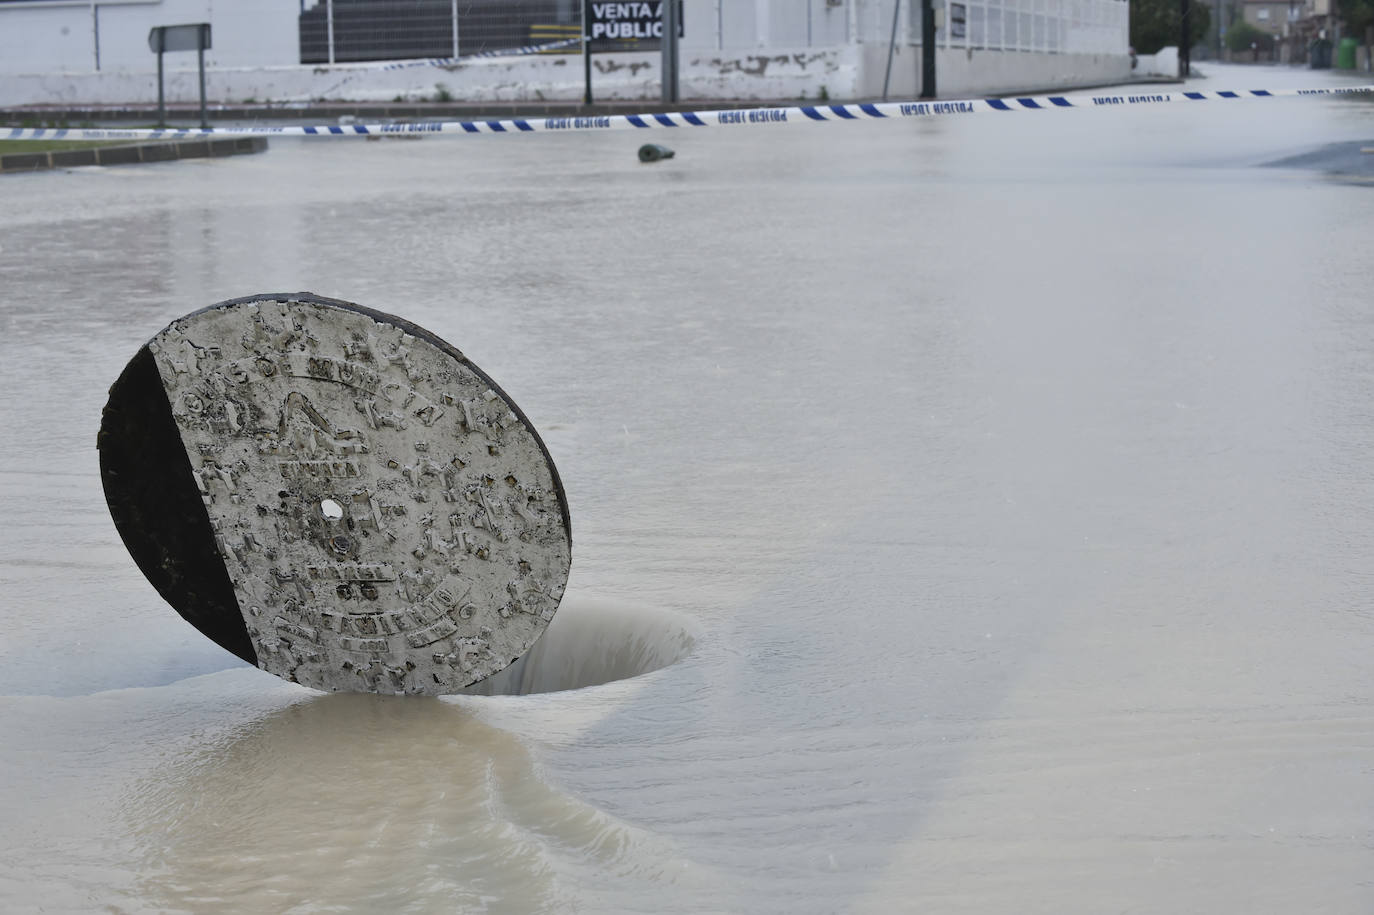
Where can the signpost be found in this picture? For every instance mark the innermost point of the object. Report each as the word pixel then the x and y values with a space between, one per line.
pixel 191 37
pixel 606 25
pixel 642 21
pixel 609 25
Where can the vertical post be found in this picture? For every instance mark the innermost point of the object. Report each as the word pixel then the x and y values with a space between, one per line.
pixel 587 52
pixel 1185 40
pixel 95 32
pixel 669 46
pixel 161 100
pixel 329 24
pixel 455 29
pixel 1216 29
pixel 200 59
pixel 891 46
pixel 927 49
pixel 720 25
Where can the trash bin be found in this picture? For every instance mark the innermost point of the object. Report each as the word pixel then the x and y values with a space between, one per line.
pixel 1345 54
pixel 1319 54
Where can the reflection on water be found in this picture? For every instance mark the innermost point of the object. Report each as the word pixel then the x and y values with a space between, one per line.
pixel 387 803
pixel 368 803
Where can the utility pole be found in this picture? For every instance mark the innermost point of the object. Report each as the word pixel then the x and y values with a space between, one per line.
pixel 1218 27
pixel 453 12
pixel 200 60
pixel 669 46
pixel 1185 39
pixel 95 31
pixel 928 48
pixel 586 52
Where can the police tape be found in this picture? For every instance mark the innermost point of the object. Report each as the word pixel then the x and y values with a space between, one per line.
pixel 809 114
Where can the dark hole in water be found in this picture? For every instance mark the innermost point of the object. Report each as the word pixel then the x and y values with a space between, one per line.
pixel 590 643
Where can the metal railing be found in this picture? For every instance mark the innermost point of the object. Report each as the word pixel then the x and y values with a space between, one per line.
pixel 1047 26
pixel 343 31
pixel 340 31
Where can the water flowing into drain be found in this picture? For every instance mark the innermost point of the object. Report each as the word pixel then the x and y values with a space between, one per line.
pixel 594 642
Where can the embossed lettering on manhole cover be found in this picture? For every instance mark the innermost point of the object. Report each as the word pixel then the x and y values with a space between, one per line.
pixel 335 495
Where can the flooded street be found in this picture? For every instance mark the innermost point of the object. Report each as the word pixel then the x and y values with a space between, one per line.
pixel 1001 486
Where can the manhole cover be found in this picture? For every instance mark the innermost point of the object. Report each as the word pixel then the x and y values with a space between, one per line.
pixel 335 495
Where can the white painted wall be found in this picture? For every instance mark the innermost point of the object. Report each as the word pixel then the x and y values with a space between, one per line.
pixel 1164 62
pixel 736 25
pixel 845 73
pixel 708 75
pixel 48 37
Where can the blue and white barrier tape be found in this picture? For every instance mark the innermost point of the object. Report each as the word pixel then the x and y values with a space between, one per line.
pixel 743 117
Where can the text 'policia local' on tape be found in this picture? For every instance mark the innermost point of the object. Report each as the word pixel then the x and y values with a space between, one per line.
pixel 733 117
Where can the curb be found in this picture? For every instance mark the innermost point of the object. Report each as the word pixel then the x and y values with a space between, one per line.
pixel 125 154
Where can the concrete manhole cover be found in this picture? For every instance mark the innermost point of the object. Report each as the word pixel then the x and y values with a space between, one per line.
pixel 335 495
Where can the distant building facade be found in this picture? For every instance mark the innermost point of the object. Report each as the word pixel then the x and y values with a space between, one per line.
pixel 1276 18
pixel 733 49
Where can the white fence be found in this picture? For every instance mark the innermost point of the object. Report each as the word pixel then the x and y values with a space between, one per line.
pixel 1044 26
pixel 1052 26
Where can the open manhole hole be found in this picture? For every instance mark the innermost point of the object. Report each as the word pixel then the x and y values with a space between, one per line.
pixel 593 642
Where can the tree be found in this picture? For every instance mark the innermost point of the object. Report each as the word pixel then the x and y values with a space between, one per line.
pixel 1240 36
pixel 1155 23
pixel 1358 15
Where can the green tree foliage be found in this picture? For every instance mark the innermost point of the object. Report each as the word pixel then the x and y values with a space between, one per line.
pixel 1242 34
pixel 1357 14
pixel 1155 23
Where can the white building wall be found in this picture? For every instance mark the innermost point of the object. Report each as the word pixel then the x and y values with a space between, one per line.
pixel 38 39
pixel 964 73
pixel 737 25
pixel 732 49
pixel 61 36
